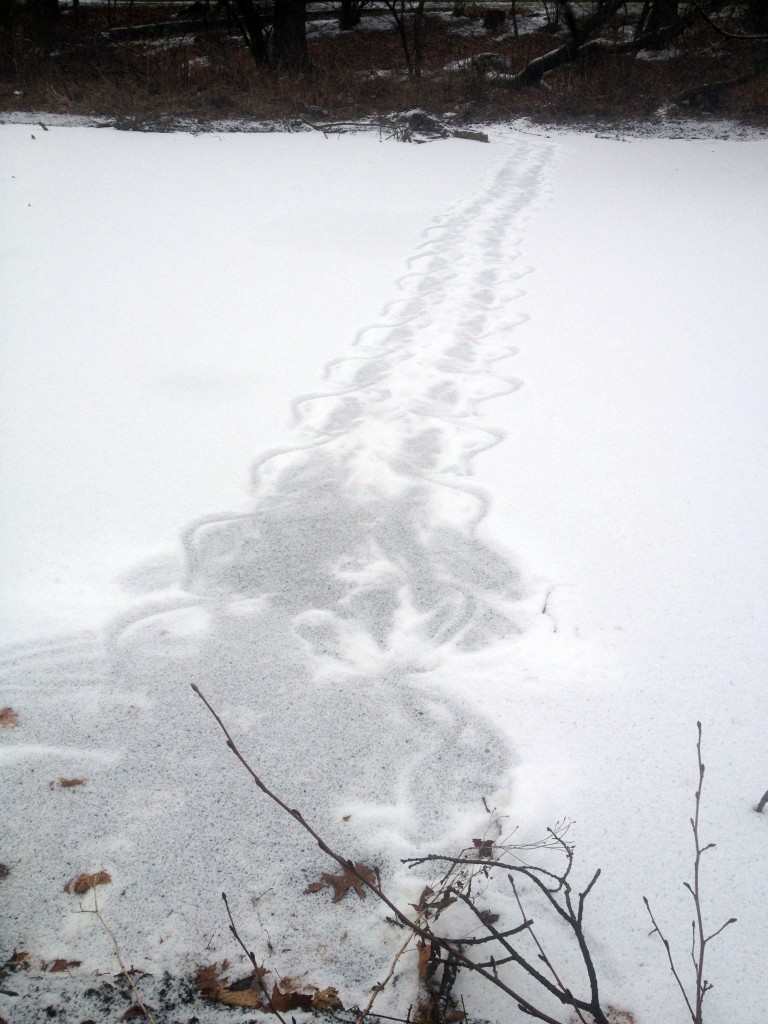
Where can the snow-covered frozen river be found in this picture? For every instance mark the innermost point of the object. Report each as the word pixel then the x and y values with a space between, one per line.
pixel 441 471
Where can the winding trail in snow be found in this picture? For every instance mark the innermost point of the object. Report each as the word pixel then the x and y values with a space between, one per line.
pixel 365 525
pixel 314 621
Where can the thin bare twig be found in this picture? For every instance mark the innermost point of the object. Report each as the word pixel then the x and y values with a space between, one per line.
pixel 251 956
pixel 545 959
pixel 118 956
pixel 380 986
pixel 699 938
pixel 665 942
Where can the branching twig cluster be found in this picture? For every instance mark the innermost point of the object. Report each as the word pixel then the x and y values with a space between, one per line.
pixel 490 948
pixel 455 928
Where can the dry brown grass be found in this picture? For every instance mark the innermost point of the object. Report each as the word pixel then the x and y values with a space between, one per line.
pixel 360 73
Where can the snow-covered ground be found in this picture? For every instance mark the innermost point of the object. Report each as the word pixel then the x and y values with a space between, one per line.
pixel 441 471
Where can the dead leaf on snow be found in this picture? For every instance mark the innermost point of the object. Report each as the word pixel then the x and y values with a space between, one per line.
pixel 83 883
pixel 430 907
pixel 61 965
pixel 423 903
pixel 18 958
pixel 8 718
pixel 326 1000
pixel 341 884
pixel 284 1001
pixel 69 783
pixel 427 953
pixel 207 981
pixel 248 992
pixel 4 871
pixel 484 848
pixel 620 1016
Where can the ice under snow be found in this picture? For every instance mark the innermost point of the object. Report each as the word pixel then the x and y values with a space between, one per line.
pixel 441 470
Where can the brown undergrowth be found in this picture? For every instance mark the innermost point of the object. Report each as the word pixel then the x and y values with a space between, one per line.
pixel 210 75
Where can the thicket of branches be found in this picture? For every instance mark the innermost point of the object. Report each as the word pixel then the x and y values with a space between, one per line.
pixel 486 912
pixel 275 30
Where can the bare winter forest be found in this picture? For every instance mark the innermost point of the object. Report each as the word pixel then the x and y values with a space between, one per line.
pixel 148 64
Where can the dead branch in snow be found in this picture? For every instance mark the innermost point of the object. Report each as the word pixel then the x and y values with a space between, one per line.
pixel 762 803
pixel 699 937
pixel 141 1006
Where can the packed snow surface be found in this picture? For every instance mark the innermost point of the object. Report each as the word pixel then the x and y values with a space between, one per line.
pixel 440 470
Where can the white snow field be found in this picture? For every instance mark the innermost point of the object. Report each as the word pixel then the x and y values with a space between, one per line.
pixel 441 470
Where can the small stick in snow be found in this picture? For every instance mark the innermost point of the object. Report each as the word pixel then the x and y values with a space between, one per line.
pixel 119 958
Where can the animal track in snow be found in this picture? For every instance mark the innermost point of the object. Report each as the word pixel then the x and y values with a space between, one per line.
pixel 313 621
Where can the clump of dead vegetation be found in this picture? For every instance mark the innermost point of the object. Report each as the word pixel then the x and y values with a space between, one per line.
pixel 487 913
pixel 151 64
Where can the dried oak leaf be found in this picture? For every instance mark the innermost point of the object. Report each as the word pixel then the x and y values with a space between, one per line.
pixel 82 883
pixel 326 1000
pixel 484 848
pixel 61 965
pixel 247 992
pixel 8 718
pixel 423 904
pixel 616 1016
pixel 341 884
pixel 207 981
pixel 284 1001
pixel 427 904
pixel 68 783
pixel 428 959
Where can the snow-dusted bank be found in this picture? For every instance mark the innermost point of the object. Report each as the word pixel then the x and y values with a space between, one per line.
pixel 508 546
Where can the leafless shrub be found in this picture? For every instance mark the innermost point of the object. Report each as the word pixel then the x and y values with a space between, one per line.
pixel 700 936
pixel 464 920
pixel 490 948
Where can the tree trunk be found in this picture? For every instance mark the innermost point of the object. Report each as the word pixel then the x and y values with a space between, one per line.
pixel 253 30
pixel 42 16
pixel 663 14
pixel 419 26
pixel 757 16
pixel 580 39
pixel 349 15
pixel 289 35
